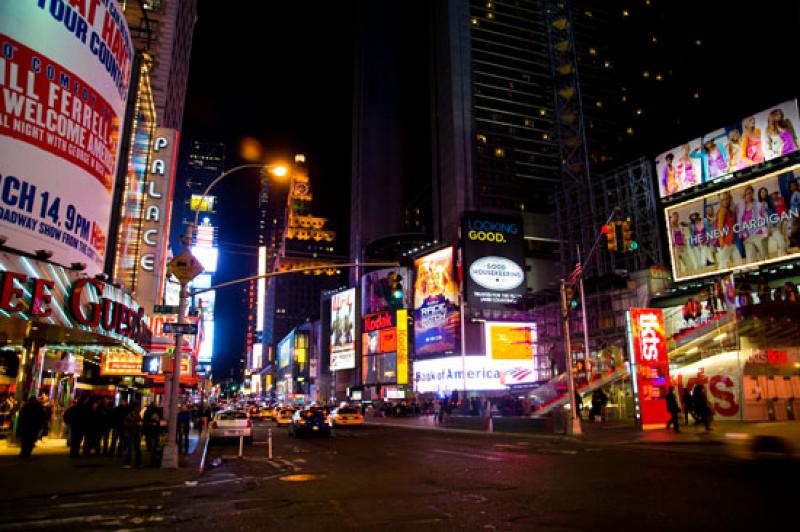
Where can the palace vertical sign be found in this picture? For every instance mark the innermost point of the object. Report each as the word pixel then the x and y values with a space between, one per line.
pixel 156 212
pixel 649 365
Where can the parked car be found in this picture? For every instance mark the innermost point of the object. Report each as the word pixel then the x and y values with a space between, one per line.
pixel 231 424
pixel 312 421
pixel 284 417
pixel 346 415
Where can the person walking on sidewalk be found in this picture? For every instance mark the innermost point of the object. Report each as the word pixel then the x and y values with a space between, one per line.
pixel 75 417
pixel 673 409
pixel 133 438
pixel 184 426
pixel 700 406
pixel 118 428
pixel 686 401
pixel 29 425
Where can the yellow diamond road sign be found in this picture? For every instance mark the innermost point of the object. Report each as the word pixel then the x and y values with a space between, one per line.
pixel 185 267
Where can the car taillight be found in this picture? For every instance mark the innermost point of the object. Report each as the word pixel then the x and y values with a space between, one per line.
pixel 213 424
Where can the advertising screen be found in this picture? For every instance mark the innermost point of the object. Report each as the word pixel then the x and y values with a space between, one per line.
pixel 510 341
pixel 203 204
pixel 648 342
pixel 384 348
pixel 476 372
pixel 436 312
pixel 343 330
pixel 719 375
pixel 746 225
pixel 64 93
pixel 208 257
pixel 752 140
pixel 494 260
pixel 387 289
pixel 285 350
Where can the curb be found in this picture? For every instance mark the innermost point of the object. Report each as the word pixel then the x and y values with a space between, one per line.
pixel 440 429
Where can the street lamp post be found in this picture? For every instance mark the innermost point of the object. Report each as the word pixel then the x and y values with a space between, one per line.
pixel 170 456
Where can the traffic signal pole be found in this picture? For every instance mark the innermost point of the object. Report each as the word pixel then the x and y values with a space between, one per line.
pixel 583 313
pixel 574 427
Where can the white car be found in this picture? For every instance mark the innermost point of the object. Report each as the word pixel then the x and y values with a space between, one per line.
pixel 231 424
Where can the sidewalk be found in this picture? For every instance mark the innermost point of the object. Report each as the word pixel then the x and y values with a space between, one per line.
pixel 50 471
pixel 727 433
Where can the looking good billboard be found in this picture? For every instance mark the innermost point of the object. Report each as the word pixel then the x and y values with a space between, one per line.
pixel 64 75
pixel 746 225
pixel 494 260
pixel 753 140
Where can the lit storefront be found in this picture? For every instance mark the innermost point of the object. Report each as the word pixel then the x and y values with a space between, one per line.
pixel 64 333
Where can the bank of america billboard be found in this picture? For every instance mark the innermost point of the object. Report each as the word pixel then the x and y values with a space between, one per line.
pixel 494 260
pixel 753 223
pixel 436 311
pixel 754 139
pixel 64 94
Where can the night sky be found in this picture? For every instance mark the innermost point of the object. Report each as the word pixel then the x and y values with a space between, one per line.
pixel 281 72
pixel 278 72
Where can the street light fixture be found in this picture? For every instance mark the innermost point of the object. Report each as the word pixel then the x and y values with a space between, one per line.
pixel 170 456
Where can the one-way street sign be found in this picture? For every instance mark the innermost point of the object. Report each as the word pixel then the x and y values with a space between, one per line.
pixel 180 328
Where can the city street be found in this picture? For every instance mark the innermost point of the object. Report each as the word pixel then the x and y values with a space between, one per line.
pixel 387 478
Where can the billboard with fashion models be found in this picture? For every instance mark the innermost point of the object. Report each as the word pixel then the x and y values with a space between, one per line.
pixel 746 225
pixel 752 140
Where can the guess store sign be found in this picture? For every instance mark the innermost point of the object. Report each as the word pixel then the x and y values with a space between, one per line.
pixel 650 367
pixel 49 294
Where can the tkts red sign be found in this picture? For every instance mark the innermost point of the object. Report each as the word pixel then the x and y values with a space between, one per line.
pixel 649 345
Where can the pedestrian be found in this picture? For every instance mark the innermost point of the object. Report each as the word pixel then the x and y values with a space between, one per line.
pixel 47 415
pixel 686 400
pixel 29 425
pixel 597 405
pixel 94 418
pixel 673 409
pixel 700 406
pixel 151 425
pixel 106 411
pixel 75 417
pixel 184 426
pixel 578 404
pixel 133 438
pixel 118 428
pixel 438 410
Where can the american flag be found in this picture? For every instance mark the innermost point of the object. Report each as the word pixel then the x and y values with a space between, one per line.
pixel 575 274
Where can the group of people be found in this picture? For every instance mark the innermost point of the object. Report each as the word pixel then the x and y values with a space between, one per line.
pixel 741 146
pixel 694 402
pixel 95 426
pixel 597 411
pixel 758 227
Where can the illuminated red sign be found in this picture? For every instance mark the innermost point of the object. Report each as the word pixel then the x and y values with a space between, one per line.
pixel 378 320
pixel 648 343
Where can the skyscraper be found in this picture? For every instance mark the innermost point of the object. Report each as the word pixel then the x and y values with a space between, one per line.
pixel 164 28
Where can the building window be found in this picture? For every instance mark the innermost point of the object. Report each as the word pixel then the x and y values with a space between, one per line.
pixel 481 138
pixel 528 122
pixel 499 152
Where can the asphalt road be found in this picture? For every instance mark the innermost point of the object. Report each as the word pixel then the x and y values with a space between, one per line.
pixel 378 478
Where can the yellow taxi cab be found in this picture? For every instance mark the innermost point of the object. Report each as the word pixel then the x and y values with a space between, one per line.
pixel 346 415
pixel 284 417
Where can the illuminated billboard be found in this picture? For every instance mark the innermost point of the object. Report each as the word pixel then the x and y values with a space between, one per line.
pixel 384 347
pixel 436 311
pixel 62 109
pixel 387 289
pixel 208 257
pixel 494 260
pixel 203 203
pixel 343 330
pixel 286 350
pixel 756 222
pixel 647 343
pixel 477 373
pixel 753 140
pixel 510 341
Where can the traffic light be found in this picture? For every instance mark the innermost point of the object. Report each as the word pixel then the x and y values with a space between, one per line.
pixel 395 291
pixel 627 236
pixel 572 299
pixel 610 230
